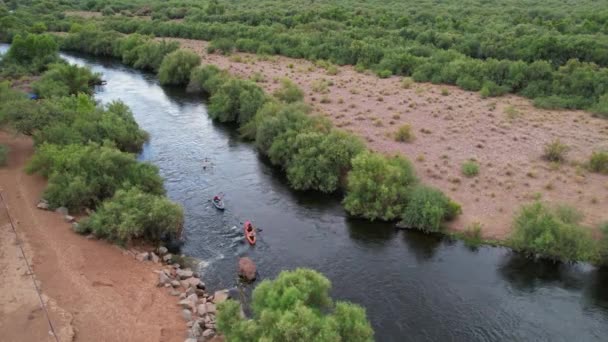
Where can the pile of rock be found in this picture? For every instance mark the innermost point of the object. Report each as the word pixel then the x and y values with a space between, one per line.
pixel 198 306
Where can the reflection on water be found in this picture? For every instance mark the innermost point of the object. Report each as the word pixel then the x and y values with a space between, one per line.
pixel 414 286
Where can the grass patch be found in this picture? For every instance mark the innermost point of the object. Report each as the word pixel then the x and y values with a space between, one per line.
pixel 404 134
pixel 599 162
pixel 470 168
pixel 555 151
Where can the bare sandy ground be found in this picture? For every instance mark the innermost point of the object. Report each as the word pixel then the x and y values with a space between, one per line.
pixel 93 290
pixel 506 135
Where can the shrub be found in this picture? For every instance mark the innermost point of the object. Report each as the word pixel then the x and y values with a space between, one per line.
pixel 133 214
pixel 404 133
pixel 64 79
pixel 289 92
pixel 224 45
pixel 81 176
pixel 208 79
pixel 295 306
pixel 603 244
pixel 236 101
pixel 176 67
pixel 470 168
pixel 34 52
pixel 553 233
pixel 3 155
pixel 555 151
pixel 269 110
pixel 599 162
pixel 601 107
pixel 322 160
pixel 377 186
pixel 407 82
pixel 151 54
pixel 472 235
pixel 491 89
pixel 427 208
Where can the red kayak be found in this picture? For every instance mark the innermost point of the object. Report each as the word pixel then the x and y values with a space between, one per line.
pixel 249 233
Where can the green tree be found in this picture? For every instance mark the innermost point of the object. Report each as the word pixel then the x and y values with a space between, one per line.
pixel 289 92
pixel 296 306
pixel 176 67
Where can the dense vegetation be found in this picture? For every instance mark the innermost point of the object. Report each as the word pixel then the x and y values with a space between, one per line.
pixel 82 148
pixel 295 306
pixel 551 51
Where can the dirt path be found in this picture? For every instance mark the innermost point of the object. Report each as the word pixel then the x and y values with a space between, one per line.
pixel 505 135
pixel 93 290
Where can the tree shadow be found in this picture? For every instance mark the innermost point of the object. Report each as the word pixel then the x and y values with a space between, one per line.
pixel 369 233
pixel 424 246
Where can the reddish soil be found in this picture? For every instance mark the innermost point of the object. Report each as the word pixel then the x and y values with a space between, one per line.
pixel 506 135
pixel 93 291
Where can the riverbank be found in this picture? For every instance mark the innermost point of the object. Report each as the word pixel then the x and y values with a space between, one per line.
pixel 94 290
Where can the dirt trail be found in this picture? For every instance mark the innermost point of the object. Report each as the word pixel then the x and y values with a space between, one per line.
pixel 506 135
pixel 94 291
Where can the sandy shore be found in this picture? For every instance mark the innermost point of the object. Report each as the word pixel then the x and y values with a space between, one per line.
pixel 505 135
pixel 93 291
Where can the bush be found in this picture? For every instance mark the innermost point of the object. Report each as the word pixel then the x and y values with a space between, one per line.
pixel 427 208
pixel 378 186
pixel 176 67
pixel 555 151
pixel 236 101
pixel 601 107
pixel 289 92
pixel 407 82
pixel 322 160
pixel 472 235
pixel 150 55
pixel 404 133
pixel 81 176
pixel 470 168
pixel 491 89
pixel 296 306
pixel 599 162
pixel 133 214
pixel 208 79
pixel 3 155
pixel 223 45
pixel 269 110
pixel 553 233
pixel 64 79
pixel 34 52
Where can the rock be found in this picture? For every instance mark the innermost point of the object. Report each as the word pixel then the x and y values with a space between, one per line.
pixel 182 295
pixel 183 274
pixel 208 333
pixel 42 205
pixel 195 331
pixel 175 283
pixel 202 309
pixel 247 269
pixel 163 279
pixel 200 293
pixel 90 236
pixel 187 314
pixel 62 210
pixel 75 226
pixel 142 256
pixel 190 324
pixel 210 326
pixel 193 282
pixel 69 218
pixel 190 340
pixel 189 290
pixel 185 304
pixel 155 259
pixel 210 308
pixel 220 296
pixel 174 293
pixel 167 257
pixel 162 250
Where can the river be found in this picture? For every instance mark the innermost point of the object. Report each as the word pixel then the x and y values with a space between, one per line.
pixel 414 286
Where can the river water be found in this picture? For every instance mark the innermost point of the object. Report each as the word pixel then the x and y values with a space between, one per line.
pixel 415 287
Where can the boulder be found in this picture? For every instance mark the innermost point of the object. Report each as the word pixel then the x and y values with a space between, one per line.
pixel 184 274
pixel 196 331
pixel 187 314
pixel 142 256
pixel 190 340
pixel 220 296
pixel 167 257
pixel 155 259
pixel 201 309
pixel 210 308
pixel 62 210
pixel 174 292
pixel 193 282
pixel 208 333
pixel 189 290
pixel 162 250
pixel 247 269
pixel 69 218
pixel 163 279
pixel 43 205
pixel 175 283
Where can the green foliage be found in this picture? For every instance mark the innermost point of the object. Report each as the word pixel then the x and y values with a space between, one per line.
pixel 404 133
pixel 3 155
pixel 601 107
pixel 224 46
pixel 378 186
pixel 295 307
pixel 81 176
pixel 133 214
pixel 208 79
pixel 64 79
pixel 472 235
pixel 427 208
pixel 599 162
pixel 553 233
pixel 288 92
pixel 491 89
pixel 470 168
pixel 33 52
pixel 236 101
pixel 555 151
pixel 176 67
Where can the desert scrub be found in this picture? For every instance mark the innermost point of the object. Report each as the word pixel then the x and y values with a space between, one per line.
pixel 427 208
pixel 599 162
pixel 407 82
pixel 176 67
pixel 470 168
pixel 132 214
pixel 3 155
pixel 404 134
pixel 320 86
pixel 552 232
pixel 555 151
pixel 288 92
pixel 472 235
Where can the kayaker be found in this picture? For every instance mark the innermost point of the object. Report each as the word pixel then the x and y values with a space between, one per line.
pixel 216 198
